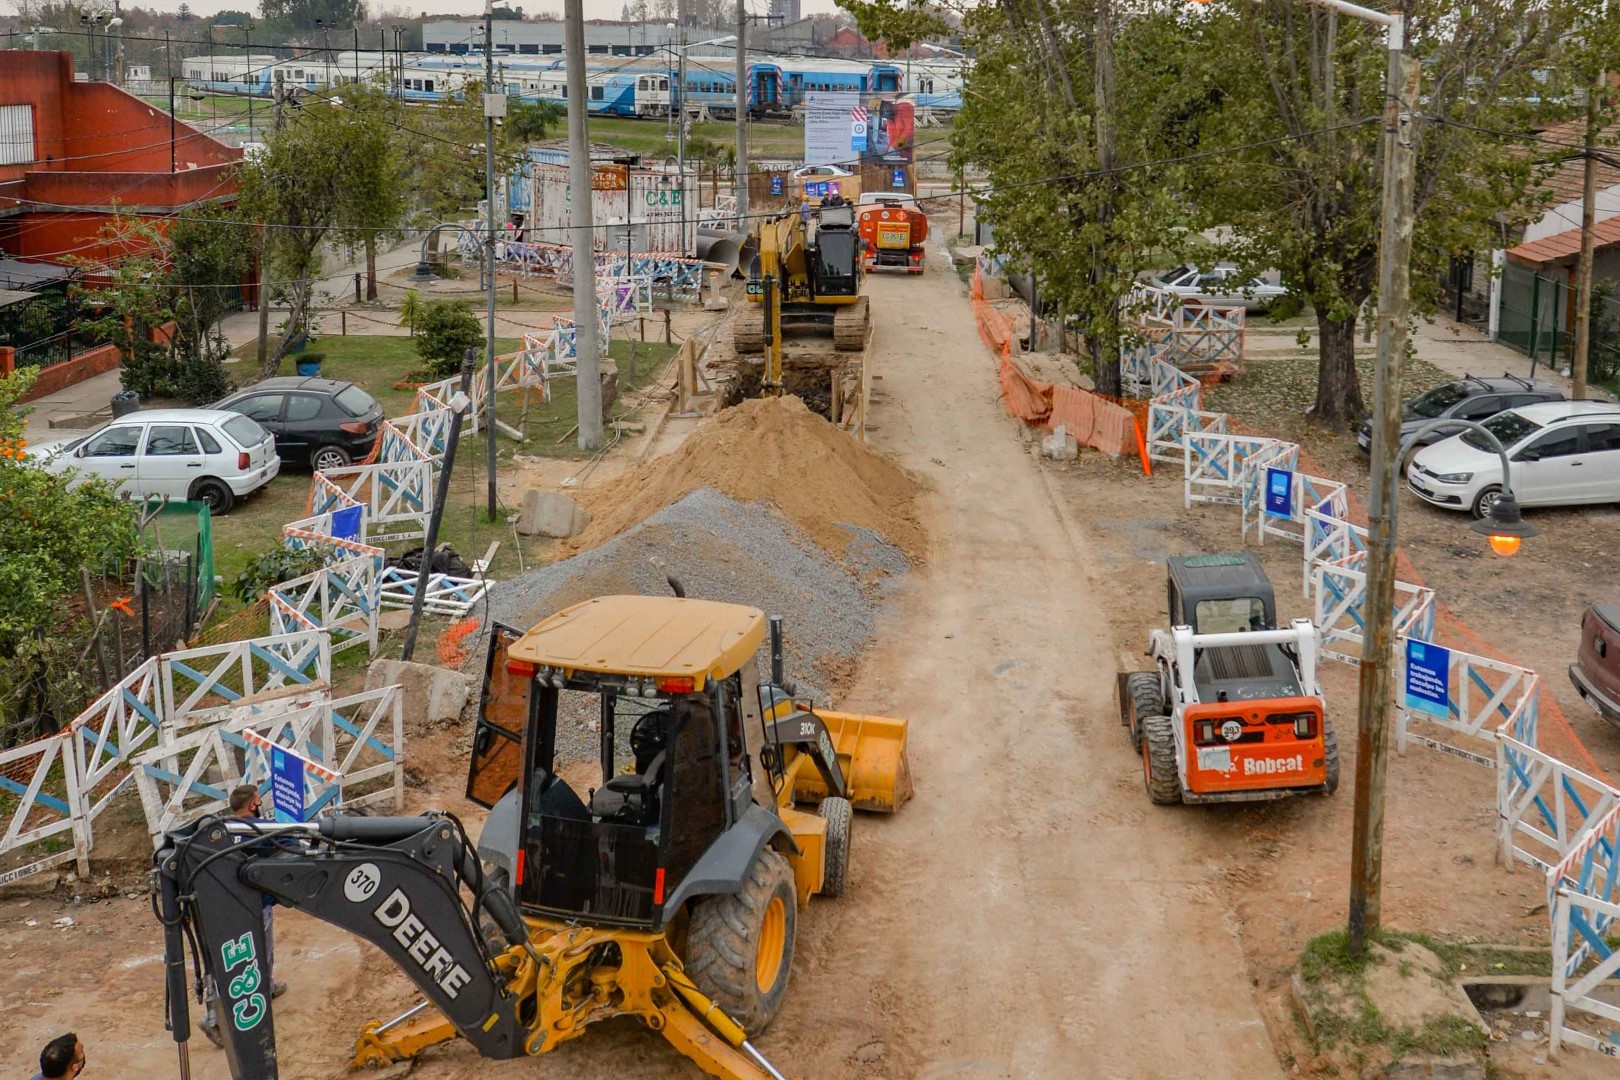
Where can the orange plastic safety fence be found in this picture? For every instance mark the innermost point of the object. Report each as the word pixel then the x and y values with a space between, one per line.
pixel 451 654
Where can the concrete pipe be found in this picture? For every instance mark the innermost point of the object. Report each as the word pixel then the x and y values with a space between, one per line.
pixel 719 247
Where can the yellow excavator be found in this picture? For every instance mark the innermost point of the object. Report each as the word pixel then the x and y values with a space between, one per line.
pixel 805 278
pixel 668 890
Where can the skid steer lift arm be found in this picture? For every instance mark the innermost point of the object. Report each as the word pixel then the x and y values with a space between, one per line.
pixel 395 881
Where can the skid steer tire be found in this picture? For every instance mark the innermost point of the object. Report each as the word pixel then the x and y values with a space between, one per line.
pixel 835 866
pixel 1143 698
pixel 739 946
pixel 1330 757
pixel 1159 761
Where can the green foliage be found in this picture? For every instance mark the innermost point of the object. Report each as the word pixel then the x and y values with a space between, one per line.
pixel 187 274
pixel 48 530
pixel 313 14
pixel 529 121
pixel 895 24
pixel 275 566
pixel 328 173
pixel 410 310
pixel 444 333
pixel 1033 121
pixel 1296 175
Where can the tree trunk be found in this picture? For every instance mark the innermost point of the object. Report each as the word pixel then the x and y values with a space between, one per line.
pixel 1339 403
pixel 371 266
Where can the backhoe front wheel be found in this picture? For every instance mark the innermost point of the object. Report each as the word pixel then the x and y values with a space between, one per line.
pixel 839 816
pixel 739 946
pixel 1159 761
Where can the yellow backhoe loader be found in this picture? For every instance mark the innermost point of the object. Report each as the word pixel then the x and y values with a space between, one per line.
pixel 668 890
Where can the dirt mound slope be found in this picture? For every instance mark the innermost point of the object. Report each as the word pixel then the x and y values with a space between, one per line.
pixel 771 450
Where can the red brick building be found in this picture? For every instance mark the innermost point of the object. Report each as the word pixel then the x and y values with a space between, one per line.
pixel 74 153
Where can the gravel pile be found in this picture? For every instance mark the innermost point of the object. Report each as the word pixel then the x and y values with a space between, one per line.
pixel 720 549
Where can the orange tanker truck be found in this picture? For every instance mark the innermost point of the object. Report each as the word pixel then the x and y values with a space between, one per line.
pixel 893 229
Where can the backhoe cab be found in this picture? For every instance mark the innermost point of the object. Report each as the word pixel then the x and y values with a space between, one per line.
pixel 1233 711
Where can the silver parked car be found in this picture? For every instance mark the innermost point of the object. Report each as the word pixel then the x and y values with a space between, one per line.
pixel 1222 286
pixel 205 455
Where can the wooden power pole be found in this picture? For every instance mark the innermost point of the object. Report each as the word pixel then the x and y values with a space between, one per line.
pixel 1583 271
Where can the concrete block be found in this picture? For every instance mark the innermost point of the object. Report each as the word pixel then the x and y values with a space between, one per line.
pixel 551 513
pixel 432 696
pixel 1060 445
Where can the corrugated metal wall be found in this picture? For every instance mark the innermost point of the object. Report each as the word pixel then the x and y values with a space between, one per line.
pixel 16 134
pixel 659 201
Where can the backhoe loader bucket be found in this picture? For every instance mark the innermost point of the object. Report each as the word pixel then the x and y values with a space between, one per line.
pixel 872 755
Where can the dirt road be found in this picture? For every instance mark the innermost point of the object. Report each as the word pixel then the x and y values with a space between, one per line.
pixel 1028 916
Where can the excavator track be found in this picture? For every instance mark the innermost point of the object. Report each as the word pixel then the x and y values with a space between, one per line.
pixel 749 333
pixel 851 324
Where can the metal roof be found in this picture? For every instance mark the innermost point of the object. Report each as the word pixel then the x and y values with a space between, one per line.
pixel 17 274
pixel 14 296
pixel 1567 245
pixel 648 636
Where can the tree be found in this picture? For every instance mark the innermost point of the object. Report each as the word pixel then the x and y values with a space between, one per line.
pixel 49 530
pixel 445 330
pixel 312 14
pixel 188 274
pixel 328 173
pixel 1059 96
pixel 528 121
pixel 1298 180
pixel 183 13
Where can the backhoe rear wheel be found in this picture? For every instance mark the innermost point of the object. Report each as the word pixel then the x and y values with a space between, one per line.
pixel 1143 698
pixel 839 815
pixel 739 946
pixel 1159 761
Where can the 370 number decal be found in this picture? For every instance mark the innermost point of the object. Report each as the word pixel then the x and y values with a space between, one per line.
pixel 248 1006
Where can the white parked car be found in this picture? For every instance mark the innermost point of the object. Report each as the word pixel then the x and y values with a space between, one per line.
pixel 820 172
pixel 1222 286
pixel 1560 453
pixel 205 455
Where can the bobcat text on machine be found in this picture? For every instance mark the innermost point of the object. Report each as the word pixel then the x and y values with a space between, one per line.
pixel 670 891
pixel 1233 711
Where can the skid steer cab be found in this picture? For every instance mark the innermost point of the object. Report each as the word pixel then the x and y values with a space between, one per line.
pixel 1232 711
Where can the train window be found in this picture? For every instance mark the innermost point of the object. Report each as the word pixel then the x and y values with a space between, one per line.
pixel 663 84
pixel 597 93
pixel 427 85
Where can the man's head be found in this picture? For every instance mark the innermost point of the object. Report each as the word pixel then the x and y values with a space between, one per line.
pixel 63 1056
pixel 245 801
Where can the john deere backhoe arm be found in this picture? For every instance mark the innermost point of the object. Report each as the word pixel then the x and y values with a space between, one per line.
pixel 396 882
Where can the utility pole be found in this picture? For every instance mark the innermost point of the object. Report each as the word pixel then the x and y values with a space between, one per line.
pixel 280 92
pixel 494 105
pixel 1374 707
pixel 247 62
pixel 742 119
pixel 1583 271
pixel 587 363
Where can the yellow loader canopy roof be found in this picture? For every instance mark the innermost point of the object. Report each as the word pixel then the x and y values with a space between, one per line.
pixel 648 636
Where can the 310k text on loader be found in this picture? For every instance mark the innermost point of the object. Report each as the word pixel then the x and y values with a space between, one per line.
pixel 805 278
pixel 671 892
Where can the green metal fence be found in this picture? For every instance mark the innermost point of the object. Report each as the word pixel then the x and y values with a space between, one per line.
pixel 1535 319
pixel 1533 314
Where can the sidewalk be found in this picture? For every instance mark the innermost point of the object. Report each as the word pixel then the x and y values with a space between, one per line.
pixel 1464 350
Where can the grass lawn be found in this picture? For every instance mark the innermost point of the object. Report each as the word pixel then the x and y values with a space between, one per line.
pixel 766 139
pixel 377 363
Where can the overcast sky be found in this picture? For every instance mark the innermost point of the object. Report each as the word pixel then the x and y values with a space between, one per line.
pixel 594 9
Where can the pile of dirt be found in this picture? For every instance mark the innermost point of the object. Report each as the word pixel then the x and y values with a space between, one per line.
pixel 771 450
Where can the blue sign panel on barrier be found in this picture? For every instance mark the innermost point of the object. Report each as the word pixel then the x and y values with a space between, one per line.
pixel 1428 678
pixel 287 784
pixel 1280 493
